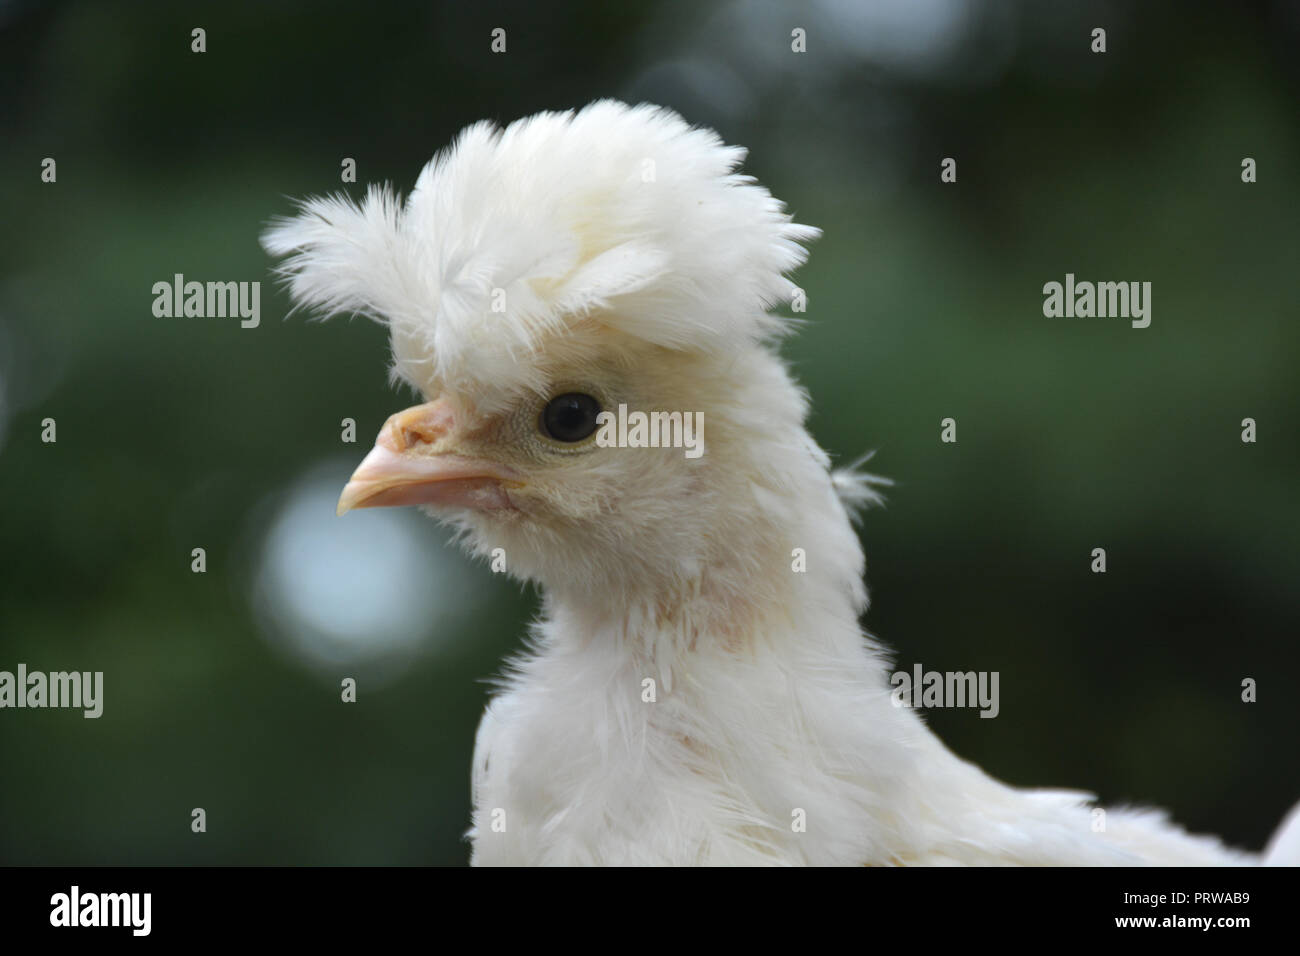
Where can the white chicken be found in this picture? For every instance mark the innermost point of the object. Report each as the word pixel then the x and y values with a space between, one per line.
pixel 689 695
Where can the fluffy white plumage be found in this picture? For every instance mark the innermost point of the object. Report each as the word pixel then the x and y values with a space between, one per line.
pixel 560 216
pixel 616 251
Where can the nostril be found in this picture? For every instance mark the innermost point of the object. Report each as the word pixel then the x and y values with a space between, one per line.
pixel 424 424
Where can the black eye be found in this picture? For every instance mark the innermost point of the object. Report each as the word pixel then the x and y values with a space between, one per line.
pixel 570 417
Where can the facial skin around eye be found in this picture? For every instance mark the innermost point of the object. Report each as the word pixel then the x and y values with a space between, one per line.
pixel 573 401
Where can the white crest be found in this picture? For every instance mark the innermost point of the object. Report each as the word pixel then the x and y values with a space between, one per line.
pixel 554 210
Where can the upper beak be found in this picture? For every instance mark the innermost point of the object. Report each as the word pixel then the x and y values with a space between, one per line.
pixel 403 468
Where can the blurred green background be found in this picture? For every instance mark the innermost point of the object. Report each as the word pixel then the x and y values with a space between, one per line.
pixel 925 301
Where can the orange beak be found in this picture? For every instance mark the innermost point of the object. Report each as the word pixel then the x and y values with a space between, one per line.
pixel 408 466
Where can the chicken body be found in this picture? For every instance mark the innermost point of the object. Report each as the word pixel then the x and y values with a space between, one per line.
pixel 772 736
pixel 693 693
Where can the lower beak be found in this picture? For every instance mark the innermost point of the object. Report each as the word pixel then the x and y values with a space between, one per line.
pixel 400 470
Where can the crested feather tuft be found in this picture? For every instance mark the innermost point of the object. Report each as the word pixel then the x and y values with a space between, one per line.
pixel 616 216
